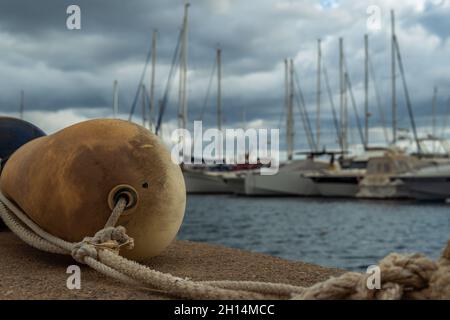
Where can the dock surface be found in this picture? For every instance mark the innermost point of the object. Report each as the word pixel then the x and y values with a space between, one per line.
pixel 27 273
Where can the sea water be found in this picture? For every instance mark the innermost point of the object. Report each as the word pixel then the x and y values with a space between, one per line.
pixel 349 234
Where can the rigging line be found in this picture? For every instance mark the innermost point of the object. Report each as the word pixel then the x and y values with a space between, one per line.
pixel 280 119
pixel 378 99
pixel 304 113
pixel 151 117
pixel 444 127
pixel 305 126
pixel 208 91
pixel 207 96
pixel 333 108
pixel 162 108
pixel 136 96
pixel 408 101
pixel 355 109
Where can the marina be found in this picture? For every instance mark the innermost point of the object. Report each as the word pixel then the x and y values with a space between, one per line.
pixel 387 172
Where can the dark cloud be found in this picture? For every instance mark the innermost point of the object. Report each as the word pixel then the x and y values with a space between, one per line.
pixel 60 69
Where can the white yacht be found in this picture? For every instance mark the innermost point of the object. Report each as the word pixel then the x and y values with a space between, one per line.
pixel 337 183
pixel 431 183
pixel 380 181
pixel 342 180
pixel 290 180
pixel 204 181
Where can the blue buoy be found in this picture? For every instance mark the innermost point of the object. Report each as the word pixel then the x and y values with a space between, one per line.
pixel 14 133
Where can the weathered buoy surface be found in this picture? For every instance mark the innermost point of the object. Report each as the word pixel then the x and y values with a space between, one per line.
pixel 14 133
pixel 67 183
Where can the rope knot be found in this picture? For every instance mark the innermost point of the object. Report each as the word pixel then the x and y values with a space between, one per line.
pixel 109 238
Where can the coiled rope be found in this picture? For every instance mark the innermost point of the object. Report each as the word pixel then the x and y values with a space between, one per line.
pixel 403 276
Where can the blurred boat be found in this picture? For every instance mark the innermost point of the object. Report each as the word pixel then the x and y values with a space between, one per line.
pixel 236 182
pixel 13 134
pixel 342 181
pixel 291 180
pixel 379 181
pixel 204 182
pixel 431 183
pixel 337 183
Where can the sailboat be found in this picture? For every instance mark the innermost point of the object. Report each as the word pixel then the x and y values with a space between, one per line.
pixel 379 180
pixel 205 182
pixel 430 183
pixel 392 173
pixel 203 178
pixel 291 179
pixel 343 178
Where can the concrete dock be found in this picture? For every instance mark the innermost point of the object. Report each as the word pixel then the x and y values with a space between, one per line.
pixel 27 273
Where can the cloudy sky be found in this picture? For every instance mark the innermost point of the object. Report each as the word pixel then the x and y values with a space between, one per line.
pixel 67 75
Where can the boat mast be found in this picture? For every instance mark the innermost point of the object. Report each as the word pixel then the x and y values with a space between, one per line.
pixel 342 96
pixel 286 102
pixel 162 103
pixel 290 106
pixel 378 100
pixel 115 105
pixel 183 71
pixel 366 91
pixel 219 89
pixel 444 127
pixel 345 110
pixel 348 89
pixel 303 112
pixel 408 100
pixel 319 67
pixel 152 81
pixel 144 106
pixel 22 103
pixel 159 128
pixel 333 109
pixel 433 106
pixel 286 84
pixel 394 97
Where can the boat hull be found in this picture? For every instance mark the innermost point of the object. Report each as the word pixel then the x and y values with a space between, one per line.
pixel 394 189
pixel 428 188
pixel 198 182
pixel 236 184
pixel 337 187
pixel 282 183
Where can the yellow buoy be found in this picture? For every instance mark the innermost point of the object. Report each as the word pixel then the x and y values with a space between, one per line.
pixel 68 183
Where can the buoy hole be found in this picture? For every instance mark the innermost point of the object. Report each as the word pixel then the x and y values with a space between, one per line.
pixel 123 196
pixel 123 191
pixel 145 185
pixel 128 194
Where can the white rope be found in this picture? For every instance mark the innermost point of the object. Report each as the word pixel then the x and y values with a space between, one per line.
pixel 33 226
pixel 277 289
pixel 26 235
pixel 404 276
pixel 180 287
pixel 100 254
